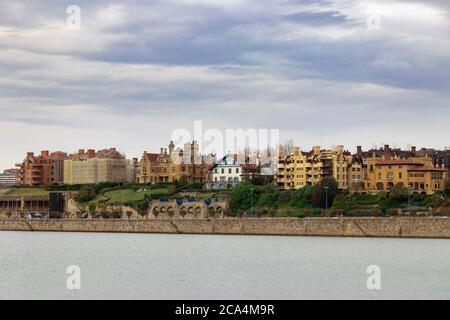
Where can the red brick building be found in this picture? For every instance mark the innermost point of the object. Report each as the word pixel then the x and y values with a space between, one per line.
pixel 44 169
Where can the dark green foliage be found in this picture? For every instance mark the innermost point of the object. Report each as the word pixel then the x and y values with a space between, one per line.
pixel 302 198
pixel 243 197
pixel 447 188
pixel 399 193
pixel 270 196
pixel 319 193
pixel 86 194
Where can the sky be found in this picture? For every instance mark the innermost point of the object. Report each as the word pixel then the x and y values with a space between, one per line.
pixel 322 72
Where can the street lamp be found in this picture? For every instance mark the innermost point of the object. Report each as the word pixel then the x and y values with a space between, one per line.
pixel 326 200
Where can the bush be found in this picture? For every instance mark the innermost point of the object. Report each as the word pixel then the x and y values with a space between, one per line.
pixel 86 194
pixel 319 195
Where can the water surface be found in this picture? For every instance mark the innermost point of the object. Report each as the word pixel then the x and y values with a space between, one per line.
pixel 152 266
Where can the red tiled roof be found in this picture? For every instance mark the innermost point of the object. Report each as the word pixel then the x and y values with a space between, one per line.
pixel 152 156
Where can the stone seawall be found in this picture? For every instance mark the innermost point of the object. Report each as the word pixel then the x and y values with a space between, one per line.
pixel 343 227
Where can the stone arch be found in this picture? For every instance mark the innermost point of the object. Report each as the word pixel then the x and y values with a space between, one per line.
pixel 211 212
pixel 390 186
pixel 380 186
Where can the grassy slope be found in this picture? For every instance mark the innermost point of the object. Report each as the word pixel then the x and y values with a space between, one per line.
pixel 19 192
pixel 123 195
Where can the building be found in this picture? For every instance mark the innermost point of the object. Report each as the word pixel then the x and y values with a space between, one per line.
pixel 299 169
pixel 225 174
pixel 10 177
pixel 418 174
pixel 45 169
pixel 93 167
pixel 172 165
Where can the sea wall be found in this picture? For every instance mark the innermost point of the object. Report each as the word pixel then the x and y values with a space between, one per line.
pixel 343 227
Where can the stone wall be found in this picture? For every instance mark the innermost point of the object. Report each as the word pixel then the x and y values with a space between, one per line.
pixel 345 227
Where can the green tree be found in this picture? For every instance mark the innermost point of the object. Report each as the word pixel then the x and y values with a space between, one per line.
pixel 269 197
pixel 319 194
pixel 447 188
pixel 87 193
pixel 302 198
pixel 92 207
pixel 399 193
pixel 243 197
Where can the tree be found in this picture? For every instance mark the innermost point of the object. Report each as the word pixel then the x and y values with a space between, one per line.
pixel 269 197
pixel 447 188
pixel 319 194
pixel 87 193
pixel 244 197
pixel 399 193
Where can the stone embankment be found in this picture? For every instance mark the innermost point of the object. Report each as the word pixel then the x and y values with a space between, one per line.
pixel 339 227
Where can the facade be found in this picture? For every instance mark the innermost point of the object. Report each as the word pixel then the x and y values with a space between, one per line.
pixel 225 174
pixel 418 174
pixel 299 169
pixel 10 177
pixel 45 169
pixel 172 165
pixel 93 167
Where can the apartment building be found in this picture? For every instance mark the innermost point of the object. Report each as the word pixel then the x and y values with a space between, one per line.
pixel 44 169
pixel 93 167
pixel 10 177
pixel 299 169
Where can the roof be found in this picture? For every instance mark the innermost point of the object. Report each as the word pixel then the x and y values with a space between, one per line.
pixel 152 156
pixel 397 162
pixel 427 169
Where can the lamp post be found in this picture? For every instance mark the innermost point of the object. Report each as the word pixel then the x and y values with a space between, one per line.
pixel 326 200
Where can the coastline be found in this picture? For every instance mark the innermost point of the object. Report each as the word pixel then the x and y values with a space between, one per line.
pixel 392 227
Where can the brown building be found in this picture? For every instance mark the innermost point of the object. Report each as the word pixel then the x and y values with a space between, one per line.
pixel 44 169
pixel 171 165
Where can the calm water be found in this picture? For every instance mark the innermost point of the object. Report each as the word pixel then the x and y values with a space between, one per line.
pixel 125 266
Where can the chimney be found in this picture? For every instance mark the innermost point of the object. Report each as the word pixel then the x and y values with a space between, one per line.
pixel 413 150
pixel 91 153
pixel 80 151
pixel 30 154
pixel 162 150
pixel 387 152
pixel 359 150
pixel 44 153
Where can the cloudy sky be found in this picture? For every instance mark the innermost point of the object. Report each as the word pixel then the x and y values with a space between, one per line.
pixel 358 72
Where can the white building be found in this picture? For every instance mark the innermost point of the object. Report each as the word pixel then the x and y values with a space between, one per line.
pixel 225 174
pixel 8 178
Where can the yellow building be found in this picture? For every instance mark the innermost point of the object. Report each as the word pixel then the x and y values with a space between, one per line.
pixel 299 169
pixel 416 173
pixel 96 167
